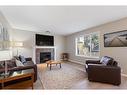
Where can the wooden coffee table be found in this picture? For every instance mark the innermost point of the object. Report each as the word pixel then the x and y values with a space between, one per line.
pixel 51 62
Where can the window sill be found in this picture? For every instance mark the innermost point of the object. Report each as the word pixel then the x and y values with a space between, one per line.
pixel 88 56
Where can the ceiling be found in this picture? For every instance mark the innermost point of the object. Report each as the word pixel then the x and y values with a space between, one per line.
pixel 61 20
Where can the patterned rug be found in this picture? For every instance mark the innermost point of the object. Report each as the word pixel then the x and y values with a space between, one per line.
pixel 64 78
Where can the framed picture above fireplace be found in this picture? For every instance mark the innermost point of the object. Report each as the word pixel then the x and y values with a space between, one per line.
pixel 116 39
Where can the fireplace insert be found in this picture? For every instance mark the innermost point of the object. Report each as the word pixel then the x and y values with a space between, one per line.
pixel 45 56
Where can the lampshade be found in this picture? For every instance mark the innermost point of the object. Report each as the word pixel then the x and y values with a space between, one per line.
pixel 5 55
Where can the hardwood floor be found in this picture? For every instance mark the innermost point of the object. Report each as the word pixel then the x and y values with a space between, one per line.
pixel 38 84
pixel 82 84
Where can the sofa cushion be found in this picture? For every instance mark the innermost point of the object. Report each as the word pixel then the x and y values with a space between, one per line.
pixel 19 63
pixel 22 59
pixel 115 63
pixel 16 57
pixel 29 63
pixel 1 64
pixel 106 60
pixel 11 63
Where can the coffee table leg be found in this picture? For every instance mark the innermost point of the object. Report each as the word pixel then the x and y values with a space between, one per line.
pixel 50 66
pixel 60 65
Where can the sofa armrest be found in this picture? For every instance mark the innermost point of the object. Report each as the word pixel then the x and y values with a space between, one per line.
pixel 102 67
pixel 93 61
pixel 103 73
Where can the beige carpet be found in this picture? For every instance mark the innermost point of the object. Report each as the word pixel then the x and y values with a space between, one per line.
pixel 71 76
pixel 64 78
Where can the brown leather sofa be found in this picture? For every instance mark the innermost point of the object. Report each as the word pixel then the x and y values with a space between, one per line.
pixel 28 65
pixel 105 70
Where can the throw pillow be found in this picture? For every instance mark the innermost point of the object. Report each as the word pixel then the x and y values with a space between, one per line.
pixel 1 65
pixel 19 63
pixel 22 59
pixel 16 57
pixel 106 60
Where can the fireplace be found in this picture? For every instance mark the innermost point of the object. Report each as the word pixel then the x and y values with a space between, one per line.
pixel 45 56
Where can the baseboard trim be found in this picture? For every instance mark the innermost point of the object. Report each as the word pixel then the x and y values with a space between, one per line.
pixel 124 75
pixel 76 61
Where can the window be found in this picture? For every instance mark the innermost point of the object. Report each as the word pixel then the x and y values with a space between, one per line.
pixel 88 45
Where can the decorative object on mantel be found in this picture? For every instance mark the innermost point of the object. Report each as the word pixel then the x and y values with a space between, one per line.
pixel 64 56
pixel 4 38
pixel 47 32
pixel 5 56
pixel 116 39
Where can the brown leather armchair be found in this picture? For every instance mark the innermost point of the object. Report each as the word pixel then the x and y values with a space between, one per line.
pixel 104 70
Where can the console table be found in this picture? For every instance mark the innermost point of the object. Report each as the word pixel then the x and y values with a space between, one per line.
pixel 17 79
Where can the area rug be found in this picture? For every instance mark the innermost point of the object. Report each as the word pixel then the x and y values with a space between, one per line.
pixel 60 78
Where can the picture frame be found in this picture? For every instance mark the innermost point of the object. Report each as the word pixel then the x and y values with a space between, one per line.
pixel 116 39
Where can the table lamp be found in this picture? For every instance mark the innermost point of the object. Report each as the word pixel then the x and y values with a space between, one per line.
pixel 17 44
pixel 5 56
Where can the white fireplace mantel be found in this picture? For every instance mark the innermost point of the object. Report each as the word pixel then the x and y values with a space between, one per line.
pixel 45 47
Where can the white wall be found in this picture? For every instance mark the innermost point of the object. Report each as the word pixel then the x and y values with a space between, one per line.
pixel 28 39
pixel 4 21
pixel 60 46
pixel 6 25
pixel 118 53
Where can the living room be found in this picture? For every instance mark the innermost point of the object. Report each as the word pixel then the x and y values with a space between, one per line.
pixel 82 37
